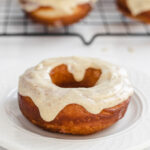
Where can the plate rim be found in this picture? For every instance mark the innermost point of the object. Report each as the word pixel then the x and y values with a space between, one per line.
pixel 17 146
pixel 137 93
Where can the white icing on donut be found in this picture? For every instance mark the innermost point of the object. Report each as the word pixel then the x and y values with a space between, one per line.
pixel 112 88
pixel 65 6
pixel 138 6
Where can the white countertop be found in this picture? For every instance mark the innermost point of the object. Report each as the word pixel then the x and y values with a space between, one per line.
pixel 133 52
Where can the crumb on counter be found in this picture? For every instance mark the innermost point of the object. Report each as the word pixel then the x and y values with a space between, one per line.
pixel 131 50
pixel 104 49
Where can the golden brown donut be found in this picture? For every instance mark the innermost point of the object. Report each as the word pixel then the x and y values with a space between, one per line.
pixel 39 15
pixel 143 17
pixel 73 119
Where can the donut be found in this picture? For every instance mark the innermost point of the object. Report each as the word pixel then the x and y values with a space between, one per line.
pixel 135 9
pixel 74 95
pixel 55 12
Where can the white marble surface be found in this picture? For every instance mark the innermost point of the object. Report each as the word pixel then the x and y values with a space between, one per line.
pixel 134 52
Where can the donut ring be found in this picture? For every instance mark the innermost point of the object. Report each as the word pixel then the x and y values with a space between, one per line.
pixel 73 118
pixel 143 17
pixel 45 15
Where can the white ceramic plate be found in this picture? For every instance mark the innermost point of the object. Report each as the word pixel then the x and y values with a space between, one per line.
pixel 132 132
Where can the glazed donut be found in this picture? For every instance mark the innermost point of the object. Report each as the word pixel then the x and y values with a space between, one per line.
pixel 135 9
pixel 74 95
pixel 57 13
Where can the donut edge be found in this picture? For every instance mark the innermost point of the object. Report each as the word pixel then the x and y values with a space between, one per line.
pixel 124 10
pixel 79 122
pixel 80 12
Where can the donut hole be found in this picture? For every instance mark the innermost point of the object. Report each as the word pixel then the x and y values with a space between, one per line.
pixel 61 77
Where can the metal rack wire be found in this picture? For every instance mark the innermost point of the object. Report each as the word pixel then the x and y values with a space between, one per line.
pixel 104 20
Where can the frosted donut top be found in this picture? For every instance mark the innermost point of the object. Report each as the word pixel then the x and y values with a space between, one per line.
pixel 112 88
pixel 60 5
pixel 138 6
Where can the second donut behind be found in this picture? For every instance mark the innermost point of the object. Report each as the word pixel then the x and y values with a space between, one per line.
pixel 56 12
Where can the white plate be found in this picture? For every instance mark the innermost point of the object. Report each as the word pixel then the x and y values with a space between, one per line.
pixel 18 133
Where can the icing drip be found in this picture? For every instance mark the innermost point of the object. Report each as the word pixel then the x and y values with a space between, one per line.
pixel 65 6
pixel 112 88
pixel 138 6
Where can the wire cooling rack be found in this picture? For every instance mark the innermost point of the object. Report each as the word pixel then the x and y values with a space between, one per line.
pixel 104 20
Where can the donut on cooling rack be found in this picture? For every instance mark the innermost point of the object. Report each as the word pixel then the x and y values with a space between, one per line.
pixel 56 12
pixel 74 95
pixel 136 9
